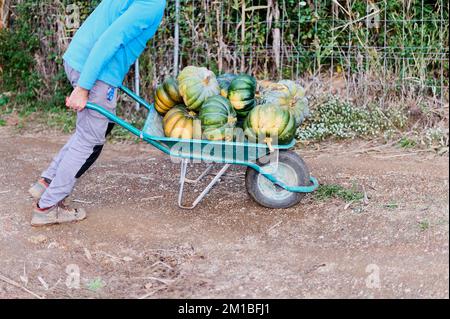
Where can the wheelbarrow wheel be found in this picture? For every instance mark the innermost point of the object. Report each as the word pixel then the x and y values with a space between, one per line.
pixel 291 170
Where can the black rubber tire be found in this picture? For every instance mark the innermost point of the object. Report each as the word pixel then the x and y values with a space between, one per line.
pixel 290 159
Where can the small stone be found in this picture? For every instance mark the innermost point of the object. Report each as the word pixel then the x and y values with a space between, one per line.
pixel 53 245
pixel 39 239
pixel 127 259
pixel 148 286
pixel 87 253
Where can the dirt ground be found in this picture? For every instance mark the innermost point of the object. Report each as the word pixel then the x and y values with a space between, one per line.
pixel 137 243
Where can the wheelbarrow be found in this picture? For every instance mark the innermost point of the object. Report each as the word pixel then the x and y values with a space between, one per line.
pixel 275 177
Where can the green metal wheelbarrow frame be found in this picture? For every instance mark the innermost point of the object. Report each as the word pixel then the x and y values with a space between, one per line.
pixel 253 152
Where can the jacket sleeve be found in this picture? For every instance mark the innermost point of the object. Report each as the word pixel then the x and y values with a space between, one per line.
pixel 140 16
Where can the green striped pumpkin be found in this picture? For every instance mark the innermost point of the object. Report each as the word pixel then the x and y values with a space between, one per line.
pixel 196 85
pixel 225 82
pixel 269 121
pixel 241 94
pixel 218 119
pixel 289 94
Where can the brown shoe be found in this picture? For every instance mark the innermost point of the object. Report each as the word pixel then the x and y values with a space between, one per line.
pixel 58 214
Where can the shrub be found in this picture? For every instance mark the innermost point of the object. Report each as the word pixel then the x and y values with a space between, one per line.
pixel 335 118
pixel 17 47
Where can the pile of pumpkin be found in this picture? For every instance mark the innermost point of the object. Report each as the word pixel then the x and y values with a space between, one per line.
pixel 199 105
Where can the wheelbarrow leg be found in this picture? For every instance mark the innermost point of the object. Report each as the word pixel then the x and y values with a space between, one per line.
pixel 183 180
pixel 198 179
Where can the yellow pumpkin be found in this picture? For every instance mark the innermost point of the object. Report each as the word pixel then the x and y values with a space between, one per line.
pixel 167 96
pixel 181 123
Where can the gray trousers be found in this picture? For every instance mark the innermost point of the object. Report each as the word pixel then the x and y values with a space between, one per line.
pixel 83 147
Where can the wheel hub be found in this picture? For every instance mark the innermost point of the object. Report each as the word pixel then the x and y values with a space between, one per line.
pixel 283 173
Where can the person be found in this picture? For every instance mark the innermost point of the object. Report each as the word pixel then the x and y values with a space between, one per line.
pixel 96 62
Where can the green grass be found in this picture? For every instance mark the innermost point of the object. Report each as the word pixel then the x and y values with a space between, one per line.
pixel 325 192
pixel 119 134
pixel 3 100
pixel 2 122
pixel 96 284
pixel 407 143
pixel 391 206
pixel 63 120
pixel 424 225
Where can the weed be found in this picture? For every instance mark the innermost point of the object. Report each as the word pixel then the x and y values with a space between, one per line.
pixel 3 100
pixel 96 284
pixel 435 137
pixel 424 225
pixel 325 192
pixel 391 205
pixel 407 143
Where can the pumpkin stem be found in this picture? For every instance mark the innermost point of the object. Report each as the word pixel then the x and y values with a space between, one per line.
pixel 207 80
pixel 192 113
pixel 268 141
pixel 232 120
pixel 294 101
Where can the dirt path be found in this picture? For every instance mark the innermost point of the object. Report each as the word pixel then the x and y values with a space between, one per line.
pixel 137 242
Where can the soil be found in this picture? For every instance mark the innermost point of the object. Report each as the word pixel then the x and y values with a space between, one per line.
pixel 137 243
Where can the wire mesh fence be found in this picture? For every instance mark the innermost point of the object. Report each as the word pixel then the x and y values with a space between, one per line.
pixel 367 51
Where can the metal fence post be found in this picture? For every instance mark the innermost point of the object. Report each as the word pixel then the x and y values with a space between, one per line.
pixel 137 82
pixel 176 49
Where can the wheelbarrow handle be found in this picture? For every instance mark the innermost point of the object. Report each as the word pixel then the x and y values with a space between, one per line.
pixel 114 118
pixel 136 97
